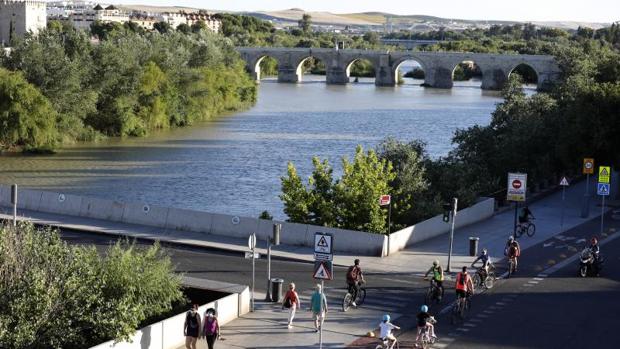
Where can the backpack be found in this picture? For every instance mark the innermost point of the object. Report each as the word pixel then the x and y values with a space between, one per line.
pixel 461 279
pixel 352 274
pixel 288 303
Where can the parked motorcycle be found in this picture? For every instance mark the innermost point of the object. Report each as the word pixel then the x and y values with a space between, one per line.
pixel 588 265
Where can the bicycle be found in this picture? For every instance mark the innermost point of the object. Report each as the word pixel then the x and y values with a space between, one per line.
pixel 528 228
pixel 511 265
pixel 348 298
pixel 433 294
pixel 385 344
pixel 457 315
pixel 480 279
pixel 424 339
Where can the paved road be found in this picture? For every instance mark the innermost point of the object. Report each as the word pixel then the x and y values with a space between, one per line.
pixel 545 305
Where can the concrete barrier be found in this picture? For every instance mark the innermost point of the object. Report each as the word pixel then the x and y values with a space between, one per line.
pixel 60 203
pixel 435 226
pixel 102 209
pixel 5 195
pixel 188 220
pixel 168 333
pixel 145 214
pixel 233 226
pixel 28 199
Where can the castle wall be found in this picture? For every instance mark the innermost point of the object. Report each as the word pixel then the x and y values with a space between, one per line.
pixel 25 15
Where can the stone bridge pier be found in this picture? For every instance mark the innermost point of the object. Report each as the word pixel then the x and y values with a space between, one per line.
pixel 438 66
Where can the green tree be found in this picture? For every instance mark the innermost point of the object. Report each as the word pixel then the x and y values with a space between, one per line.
pixel 27 118
pixel 184 28
pixel 163 27
pixel 305 23
pixel 199 26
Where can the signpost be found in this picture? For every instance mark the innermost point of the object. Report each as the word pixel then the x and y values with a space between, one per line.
pixel 274 240
pixel 455 203
pixel 603 189
pixel 323 268
pixel 563 183
pixel 383 201
pixel 517 188
pixel 588 169
pixel 252 246
pixel 14 202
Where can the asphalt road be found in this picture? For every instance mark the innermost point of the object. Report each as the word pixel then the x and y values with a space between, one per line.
pixel 540 307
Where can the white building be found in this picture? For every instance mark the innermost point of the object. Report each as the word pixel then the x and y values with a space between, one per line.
pixel 64 9
pixel 111 14
pixel 18 17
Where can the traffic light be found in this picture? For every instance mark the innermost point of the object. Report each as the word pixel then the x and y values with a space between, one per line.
pixel 447 209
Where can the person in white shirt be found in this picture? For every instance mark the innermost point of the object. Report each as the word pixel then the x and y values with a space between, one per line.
pixel 386 328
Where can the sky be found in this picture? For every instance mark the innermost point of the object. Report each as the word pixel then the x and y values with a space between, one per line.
pixel 606 11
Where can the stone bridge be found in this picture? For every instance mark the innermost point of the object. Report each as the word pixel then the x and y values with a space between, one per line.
pixel 438 66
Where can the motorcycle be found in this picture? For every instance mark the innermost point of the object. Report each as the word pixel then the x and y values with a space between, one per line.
pixel 588 265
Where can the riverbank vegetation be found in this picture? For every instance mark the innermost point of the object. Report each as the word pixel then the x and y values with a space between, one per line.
pixel 54 295
pixel 126 83
pixel 545 135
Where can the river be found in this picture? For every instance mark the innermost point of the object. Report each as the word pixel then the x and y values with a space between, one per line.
pixel 233 164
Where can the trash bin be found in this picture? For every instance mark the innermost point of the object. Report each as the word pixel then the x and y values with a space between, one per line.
pixel 276 289
pixel 473 246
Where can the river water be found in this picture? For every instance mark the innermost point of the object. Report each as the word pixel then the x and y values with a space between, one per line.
pixel 233 164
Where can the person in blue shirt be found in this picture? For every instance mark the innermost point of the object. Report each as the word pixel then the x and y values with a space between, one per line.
pixel 318 305
pixel 486 262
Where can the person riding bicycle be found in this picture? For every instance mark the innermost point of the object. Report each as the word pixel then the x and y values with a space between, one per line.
pixel 524 216
pixel 464 284
pixel 512 250
pixel 424 321
pixel 486 262
pixel 437 271
pixel 354 278
pixel 386 328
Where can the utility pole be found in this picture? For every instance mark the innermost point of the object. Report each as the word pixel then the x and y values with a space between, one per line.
pixel 455 202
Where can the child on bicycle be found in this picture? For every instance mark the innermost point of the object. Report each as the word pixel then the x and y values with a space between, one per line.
pixel 425 320
pixel 386 328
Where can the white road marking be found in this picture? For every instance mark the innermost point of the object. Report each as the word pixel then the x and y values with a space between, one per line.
pixel 532 282
pixel 500 303
pixel 470 325
pixel 463 329
pixel 539 279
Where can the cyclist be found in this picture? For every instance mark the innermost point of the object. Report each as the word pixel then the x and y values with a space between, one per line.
pixel 437 271
pixel 524 216
pixel 512 250
pixel 596 251
pixel 386 328
pixel 464 285
pixel 486 262
pixel 424 320
pixel 354 278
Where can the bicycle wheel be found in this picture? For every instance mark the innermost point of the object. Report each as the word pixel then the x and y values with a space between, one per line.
pixel 511 266
pixel 361 296
pixel 346 302
pixel 475 279
pixel 490 280
pixel 531 229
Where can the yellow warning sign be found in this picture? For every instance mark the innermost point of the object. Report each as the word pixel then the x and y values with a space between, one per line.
pixel 588 166
pixel 604 174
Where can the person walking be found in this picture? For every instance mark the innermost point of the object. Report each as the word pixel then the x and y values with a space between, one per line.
pixel 191 327
pixel 318 306
pixel 291 301
pixel 211 330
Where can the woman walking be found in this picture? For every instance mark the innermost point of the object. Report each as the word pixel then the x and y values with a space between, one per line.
pixel 191 327
pixel 211 328
pixel 291 301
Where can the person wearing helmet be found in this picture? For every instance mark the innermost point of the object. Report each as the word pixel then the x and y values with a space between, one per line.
pixel 355 277
pixel 512 250
pixel 386 328
pixel 485 259
pixel 425 320
pixel 437 271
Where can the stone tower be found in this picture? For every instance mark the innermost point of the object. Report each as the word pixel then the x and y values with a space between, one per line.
pixel 18 17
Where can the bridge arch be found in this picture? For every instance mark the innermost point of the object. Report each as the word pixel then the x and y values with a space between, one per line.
pixel 257 70
pixel 467 69
pixel 397 65
pixel 528 73
pixel 359 62
pixel 310 63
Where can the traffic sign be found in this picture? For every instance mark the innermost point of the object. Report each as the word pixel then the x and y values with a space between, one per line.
pixel 323 256
pixel 564 182
pixel 603 189
pixel 323 270
pixel 604 172
pixel 322 243
pixel 588 166
pixel 252 241
pixel 385 200
pixel 248 255
pixel 517 186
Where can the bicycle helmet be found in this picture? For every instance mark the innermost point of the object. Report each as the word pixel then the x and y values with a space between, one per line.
pixel 424 309
pixel 594 240
pixel 511 238
pixel 386 318
pixel 435 263
pixel 484 251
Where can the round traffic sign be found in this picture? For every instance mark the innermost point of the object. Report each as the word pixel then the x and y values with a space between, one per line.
pixel 516 184
pixel 588 165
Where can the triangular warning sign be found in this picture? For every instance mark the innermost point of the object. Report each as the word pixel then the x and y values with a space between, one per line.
pixel 322 242
pixel 321 272
pixel 564 182
pixel 604 172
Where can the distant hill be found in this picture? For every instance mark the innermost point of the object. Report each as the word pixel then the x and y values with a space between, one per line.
pixel 291 16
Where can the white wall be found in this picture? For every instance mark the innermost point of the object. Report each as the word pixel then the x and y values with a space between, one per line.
pixel 435 226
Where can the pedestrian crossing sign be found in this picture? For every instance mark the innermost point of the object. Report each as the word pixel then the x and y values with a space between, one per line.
pixel 323 270
pixel 603 189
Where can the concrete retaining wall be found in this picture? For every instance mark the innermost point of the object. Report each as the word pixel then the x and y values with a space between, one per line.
pixel 168 333
pixel 435 226
pixel 348 241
